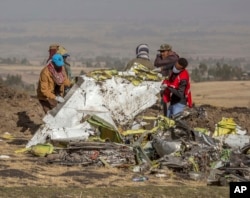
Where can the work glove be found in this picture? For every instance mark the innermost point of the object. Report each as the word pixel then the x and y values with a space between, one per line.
pixel 163 87
pixel 158 69
pixel 60 99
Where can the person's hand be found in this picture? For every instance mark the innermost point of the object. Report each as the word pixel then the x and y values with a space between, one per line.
pixel 158 69
pixel 60 99
pixel 163 87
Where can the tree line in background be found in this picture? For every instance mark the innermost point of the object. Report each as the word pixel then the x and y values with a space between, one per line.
pixel 14 61
pixel 219 72
pixel 220 69
pixel 16 82
pixel 200 69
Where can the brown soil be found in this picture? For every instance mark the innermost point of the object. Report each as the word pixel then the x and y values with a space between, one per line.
pixel 21 115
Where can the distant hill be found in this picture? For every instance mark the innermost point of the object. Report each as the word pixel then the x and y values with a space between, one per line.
pixel 89 39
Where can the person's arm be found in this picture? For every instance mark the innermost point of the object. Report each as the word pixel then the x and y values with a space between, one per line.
pixel 44 85
pixel 68 71
pixel 158 61
pixel 169 62
pixel 66 81
pixel 180 92
pixel 166 63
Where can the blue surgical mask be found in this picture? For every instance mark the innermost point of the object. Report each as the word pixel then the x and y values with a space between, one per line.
pixel 176 71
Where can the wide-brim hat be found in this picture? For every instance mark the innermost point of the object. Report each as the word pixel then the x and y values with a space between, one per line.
pixel 53 46
pixel 165 47
pixel 61 50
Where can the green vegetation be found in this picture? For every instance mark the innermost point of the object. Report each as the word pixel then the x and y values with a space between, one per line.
pixel 16 82
pixel 14 61
pixel 218 72
pixel 223 69
pixel 105 61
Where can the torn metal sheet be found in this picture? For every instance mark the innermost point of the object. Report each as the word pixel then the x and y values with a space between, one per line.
pixel 163 147
pixel 235 141
pixel 114 100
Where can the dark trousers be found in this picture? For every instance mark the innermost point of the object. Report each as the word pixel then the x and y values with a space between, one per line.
pixel 165 107
pixel 48 104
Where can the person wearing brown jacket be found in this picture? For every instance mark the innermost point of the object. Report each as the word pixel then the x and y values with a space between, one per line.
pixel 53 79
pixel 165 60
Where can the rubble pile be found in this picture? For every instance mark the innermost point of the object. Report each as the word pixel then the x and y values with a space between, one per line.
pixel 103 123
pixel 93 153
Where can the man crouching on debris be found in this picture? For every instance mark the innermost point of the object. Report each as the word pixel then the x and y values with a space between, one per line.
pixel 176 89
pixel 51 83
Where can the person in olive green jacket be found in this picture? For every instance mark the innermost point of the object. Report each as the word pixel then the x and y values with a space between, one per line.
pixel 52 81
pixel 142 57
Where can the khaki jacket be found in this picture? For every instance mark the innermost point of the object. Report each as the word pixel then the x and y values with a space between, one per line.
pixel 145 62
pixel 46 86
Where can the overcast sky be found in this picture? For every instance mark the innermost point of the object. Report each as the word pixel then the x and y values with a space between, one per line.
pixel 235 10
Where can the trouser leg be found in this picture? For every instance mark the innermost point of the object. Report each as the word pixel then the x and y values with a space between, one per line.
pixel 165 107
pixel 48 104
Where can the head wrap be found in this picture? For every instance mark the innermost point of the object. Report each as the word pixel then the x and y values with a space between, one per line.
pixel 142 51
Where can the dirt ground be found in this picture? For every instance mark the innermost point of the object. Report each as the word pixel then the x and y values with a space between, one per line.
pixel 21 115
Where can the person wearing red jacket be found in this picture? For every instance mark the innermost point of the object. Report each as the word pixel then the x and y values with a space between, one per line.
pixel 176 89
pixel 164 62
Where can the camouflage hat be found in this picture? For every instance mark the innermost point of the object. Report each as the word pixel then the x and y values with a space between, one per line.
pixel 165 47
pixel 61 50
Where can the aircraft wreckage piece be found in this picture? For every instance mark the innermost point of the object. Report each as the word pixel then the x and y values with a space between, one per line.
pixel 115 101
pixel 107 154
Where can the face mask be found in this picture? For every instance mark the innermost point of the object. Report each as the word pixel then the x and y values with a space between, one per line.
pixel 176 71
pixel 58 69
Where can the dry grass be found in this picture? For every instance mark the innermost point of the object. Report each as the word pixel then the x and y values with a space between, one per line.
pixel 223 94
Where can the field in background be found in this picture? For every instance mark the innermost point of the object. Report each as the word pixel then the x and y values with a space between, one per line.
pixel 30 74
pixel 224 94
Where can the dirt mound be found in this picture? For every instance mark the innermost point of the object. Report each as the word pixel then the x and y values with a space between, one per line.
pixel 207 116
pixel 19 112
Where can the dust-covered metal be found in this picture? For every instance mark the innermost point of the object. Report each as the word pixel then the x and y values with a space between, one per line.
pixel 114 100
